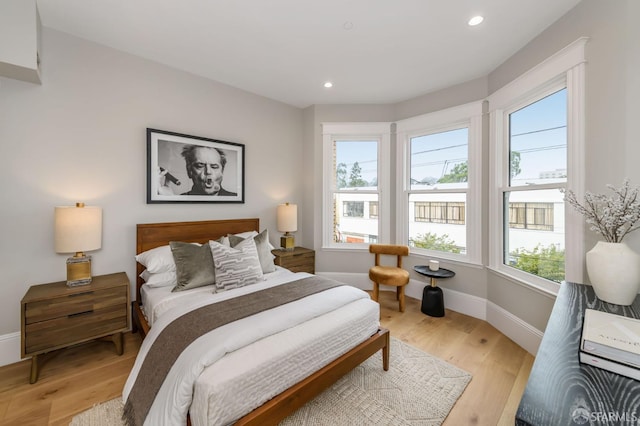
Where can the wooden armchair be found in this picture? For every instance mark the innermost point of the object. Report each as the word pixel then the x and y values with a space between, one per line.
pixel 389 275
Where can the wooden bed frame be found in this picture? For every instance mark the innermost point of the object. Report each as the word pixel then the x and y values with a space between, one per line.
pixel 154 235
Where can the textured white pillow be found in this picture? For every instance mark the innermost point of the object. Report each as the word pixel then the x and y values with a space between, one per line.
pixel 162 279
pixel 157 260
pixel 236 267
pixel 264 249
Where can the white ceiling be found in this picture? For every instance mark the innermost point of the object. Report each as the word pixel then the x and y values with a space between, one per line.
pixel 374 51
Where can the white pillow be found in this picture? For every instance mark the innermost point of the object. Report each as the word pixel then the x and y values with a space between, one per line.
pixel 157 260
pixel 236 267
pixel 162 279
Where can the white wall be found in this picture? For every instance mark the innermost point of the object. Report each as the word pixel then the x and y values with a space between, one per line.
pixel 81 136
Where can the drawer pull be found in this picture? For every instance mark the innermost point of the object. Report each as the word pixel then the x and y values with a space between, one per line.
pixel 81 294
pixel 80 313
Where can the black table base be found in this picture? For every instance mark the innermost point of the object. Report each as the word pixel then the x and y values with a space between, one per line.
pixel 432 302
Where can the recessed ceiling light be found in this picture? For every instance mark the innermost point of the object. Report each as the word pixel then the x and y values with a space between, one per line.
pixel 475 20
pixel 328 84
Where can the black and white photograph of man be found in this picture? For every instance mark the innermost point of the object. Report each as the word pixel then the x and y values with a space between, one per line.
pixel 195 171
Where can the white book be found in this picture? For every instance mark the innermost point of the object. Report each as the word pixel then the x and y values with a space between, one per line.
pixel 611 336
pixel 614 367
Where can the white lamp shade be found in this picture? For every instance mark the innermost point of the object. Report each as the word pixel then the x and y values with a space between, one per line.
pixel 78 229
pixel 287 217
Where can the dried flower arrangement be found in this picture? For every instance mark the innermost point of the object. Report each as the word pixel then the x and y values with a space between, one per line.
pixel 612 217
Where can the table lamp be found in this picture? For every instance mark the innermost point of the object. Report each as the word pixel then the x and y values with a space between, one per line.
pixel 287 218
pixel 78 229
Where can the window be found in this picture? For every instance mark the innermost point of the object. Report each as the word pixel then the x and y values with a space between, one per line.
pixel 531 216
pixel 355 184
pixel 353 209
pixel 441 165
pixel 537 135
pixel 439 212
pixel 373 209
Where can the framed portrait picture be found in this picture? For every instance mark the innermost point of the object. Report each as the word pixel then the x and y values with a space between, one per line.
pixel 192 169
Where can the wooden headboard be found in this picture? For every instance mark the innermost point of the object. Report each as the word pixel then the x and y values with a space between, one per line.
pixel 152 235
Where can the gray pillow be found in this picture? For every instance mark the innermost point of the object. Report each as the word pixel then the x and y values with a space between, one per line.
pixel 263 247
pixel 194 265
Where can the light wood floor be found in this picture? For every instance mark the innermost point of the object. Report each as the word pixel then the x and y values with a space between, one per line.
pixel 74 379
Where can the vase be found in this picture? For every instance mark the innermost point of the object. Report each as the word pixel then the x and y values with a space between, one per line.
pixel 614 272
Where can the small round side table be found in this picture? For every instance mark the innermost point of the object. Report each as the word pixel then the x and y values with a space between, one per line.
pixel 432 299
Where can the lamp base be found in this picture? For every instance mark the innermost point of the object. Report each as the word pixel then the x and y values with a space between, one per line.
pixel 287 242
pixel 78 271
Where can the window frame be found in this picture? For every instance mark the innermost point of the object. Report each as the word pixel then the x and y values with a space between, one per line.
pixel 469 116
pixel 565 69
pixel 380 132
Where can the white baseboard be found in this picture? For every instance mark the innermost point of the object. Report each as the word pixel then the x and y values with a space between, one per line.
pixel 9 348
pixel 456 301
pixel 525 335
pixel 467 304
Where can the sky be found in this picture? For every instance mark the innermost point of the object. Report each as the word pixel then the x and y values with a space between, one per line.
pixel 538 133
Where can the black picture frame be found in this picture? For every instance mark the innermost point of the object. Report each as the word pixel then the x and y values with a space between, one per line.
pixel 171 180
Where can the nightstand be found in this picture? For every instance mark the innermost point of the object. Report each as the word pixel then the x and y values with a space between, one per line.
pixel 56 316
pixel 299 259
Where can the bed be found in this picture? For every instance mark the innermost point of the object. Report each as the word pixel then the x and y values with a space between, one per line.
pixel 326 372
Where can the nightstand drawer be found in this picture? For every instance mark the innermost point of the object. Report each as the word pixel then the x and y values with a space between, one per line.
pixel 76 303
pixel 73 328
pixel 299 259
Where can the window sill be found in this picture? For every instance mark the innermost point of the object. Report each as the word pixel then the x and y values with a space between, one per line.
pixel 461 262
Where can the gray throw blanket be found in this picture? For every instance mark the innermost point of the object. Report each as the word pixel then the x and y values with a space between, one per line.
pixel 184 330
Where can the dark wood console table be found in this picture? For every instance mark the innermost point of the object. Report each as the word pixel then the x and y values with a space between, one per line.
pixel 560 390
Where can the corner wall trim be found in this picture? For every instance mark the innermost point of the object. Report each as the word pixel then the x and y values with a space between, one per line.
pixel 524 334
pixel 9 348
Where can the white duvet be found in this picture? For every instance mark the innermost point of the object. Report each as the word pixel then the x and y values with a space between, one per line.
pixel 226 369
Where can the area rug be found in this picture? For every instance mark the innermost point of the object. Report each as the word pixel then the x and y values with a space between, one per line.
pixel 418 389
